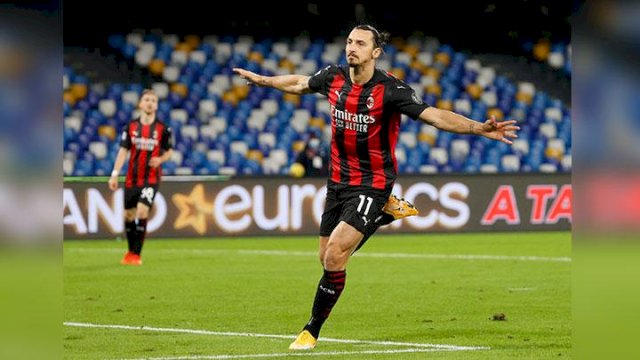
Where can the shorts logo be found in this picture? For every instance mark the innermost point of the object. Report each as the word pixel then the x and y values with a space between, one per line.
pixel 365 220
pixel 370 102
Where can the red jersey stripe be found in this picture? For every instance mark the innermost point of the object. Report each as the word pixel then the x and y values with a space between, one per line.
pixel 145 132
pixel 351 138
pixel 338 82
pixel 375 149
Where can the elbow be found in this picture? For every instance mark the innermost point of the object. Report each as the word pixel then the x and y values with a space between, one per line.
pixel 432 116
pixel 296 90
pixel 432 121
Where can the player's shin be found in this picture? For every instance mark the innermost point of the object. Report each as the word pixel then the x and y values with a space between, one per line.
pixel 329 290
pixel 130 230
pixel 141 231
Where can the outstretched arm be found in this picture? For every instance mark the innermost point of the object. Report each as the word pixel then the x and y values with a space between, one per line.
pixel 295 84
pixel 450 121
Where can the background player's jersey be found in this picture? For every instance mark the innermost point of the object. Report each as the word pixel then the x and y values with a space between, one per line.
pixel 365 120
pixel 144 142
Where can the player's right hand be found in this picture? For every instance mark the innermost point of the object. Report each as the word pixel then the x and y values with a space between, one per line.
pixel 113 183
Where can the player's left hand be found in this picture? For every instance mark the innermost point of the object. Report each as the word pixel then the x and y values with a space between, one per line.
pixel 500 130
pixel 155 162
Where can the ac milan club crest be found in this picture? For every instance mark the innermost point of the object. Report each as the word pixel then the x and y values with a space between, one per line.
pixel 370 102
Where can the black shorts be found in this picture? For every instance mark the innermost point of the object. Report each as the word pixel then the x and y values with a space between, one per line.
pixel 135 195
pixel 358 206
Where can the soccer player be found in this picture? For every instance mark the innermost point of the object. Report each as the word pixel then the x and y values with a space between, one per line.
pixel 366 105
pixel 150 143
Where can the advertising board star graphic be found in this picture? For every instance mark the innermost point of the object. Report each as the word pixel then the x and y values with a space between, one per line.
pixel 193 210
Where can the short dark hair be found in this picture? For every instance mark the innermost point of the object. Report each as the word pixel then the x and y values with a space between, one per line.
pixel 148 91
pixel 379 38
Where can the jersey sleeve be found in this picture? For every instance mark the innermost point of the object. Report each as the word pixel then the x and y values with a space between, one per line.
pixel 405 99
pixel 125 138
pixel 167 139
pixel 319 82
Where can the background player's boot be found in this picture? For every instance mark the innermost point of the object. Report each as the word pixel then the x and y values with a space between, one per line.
pixel 399 207
pixel 127 258
pixel 136 260
pixel 304 341
pixel 131 259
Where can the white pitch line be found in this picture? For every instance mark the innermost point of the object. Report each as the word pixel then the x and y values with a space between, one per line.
pixel 364 254
pixel 274 336
pixel 326 353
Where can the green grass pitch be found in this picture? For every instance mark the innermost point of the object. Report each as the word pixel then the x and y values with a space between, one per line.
pixel 406 297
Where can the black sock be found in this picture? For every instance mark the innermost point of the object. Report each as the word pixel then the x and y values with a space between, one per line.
pixel 329 290
pixel 130 230
pixel 141 231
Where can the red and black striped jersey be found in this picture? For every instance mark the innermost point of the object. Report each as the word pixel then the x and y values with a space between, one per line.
pixel 365 121
pixel 144 142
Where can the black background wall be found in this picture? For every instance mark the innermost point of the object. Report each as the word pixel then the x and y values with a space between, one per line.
pixel 477 26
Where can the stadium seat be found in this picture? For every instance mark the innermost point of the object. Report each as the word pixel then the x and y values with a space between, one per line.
pixel 228 171
pixel 488 169
pixel 184 170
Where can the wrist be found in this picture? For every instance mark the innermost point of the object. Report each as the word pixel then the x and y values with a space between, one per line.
pixel 115 173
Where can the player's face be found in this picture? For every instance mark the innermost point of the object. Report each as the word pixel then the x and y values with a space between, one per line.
pixel 149 103
pixel 360 47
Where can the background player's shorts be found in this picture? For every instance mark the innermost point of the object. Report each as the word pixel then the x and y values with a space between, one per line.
pixel 134 195
pixel 358 206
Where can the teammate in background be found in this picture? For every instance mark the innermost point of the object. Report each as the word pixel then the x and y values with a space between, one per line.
pixel 150 143
pixel 366 104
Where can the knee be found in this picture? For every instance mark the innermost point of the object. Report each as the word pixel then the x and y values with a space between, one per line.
pixel 323 248
pixel 142 213
pixel 334 258
pixel 129 215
